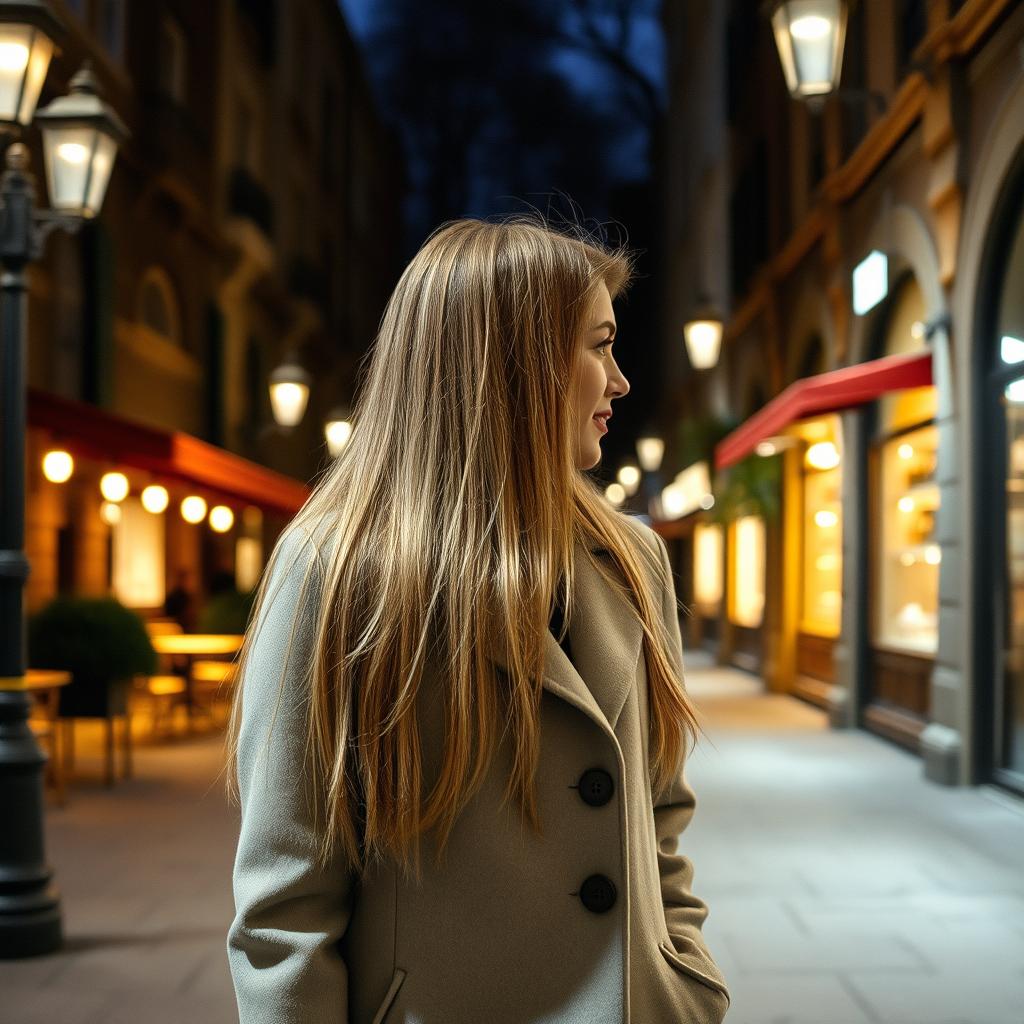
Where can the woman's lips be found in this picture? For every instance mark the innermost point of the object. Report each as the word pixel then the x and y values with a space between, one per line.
pixel 601 425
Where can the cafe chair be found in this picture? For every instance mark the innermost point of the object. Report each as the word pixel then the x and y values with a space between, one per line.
pixel 212 683
pixel 164 694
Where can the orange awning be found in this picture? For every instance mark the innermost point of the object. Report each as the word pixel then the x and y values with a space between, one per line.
pixel 91 432
pixel 826 392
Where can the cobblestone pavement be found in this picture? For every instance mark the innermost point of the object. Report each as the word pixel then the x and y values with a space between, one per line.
pixel 843 887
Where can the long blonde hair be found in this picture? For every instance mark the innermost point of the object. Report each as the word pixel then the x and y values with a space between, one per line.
pixel 452 512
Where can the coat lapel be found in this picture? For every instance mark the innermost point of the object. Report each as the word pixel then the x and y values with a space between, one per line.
pixel 606 642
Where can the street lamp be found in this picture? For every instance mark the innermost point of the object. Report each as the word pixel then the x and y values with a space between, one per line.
pixel 337 430
pixel 289 392
pixel 649 449
pixel 703 334
pixel 30 914
pixel 28 32
pixel 809 36
pixel 81 135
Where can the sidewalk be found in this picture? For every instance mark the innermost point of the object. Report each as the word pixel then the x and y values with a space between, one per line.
pixel 144 871
pixel 843 888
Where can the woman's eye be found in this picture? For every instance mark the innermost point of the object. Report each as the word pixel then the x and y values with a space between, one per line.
pixel 605 344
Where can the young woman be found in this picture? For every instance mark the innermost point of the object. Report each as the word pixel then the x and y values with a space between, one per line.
pixel 402 694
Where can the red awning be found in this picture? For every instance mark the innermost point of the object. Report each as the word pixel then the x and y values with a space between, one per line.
pixel 91 432
pixel 826 392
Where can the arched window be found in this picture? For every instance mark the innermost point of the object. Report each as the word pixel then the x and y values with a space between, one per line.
pixel 157 306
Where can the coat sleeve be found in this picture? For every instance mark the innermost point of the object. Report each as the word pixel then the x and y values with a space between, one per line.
pixel 673 808
pixel 289 915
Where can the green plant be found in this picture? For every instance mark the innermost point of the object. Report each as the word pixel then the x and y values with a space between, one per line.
pixel 100 642
pixel 751 486
pixel 699 435
pixel 226 612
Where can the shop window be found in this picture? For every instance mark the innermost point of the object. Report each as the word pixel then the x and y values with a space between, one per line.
pixel 707 568
pixel 137 549
pixel 1007 404
pixel 907 553
pixel 907 609
pixel 821 602
pixel 746 591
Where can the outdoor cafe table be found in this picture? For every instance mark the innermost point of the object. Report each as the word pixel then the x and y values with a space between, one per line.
pixel 47 681
pixel 193 645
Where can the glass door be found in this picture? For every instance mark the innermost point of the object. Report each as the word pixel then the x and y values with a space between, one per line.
pixel 1010 706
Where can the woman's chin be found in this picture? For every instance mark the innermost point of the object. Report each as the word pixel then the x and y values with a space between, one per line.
pixel 591 456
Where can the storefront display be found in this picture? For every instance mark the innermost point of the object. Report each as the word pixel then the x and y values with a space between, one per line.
pixel 707 569
pixel 906 612
pixel 821 570
pixel 746 591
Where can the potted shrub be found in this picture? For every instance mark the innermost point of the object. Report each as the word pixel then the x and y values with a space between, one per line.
pixel 101 643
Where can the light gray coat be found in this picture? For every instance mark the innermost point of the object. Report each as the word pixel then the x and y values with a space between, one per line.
pixel 500 933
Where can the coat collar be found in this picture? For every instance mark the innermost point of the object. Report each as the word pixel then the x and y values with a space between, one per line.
pixel 606 640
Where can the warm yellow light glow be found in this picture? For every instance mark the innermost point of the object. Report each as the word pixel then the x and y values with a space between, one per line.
pixel 337 432
pixel 629 477
pixel 114 486
pixel 73 152
pixel 812 26
pixel 707 567
pixel 615 493
pixel 905 451
pixel 917 329
pixel 765 448
pixel 905 504
pixel 221 518
pixel 193 509
pixel 288 399
pixel 703 342
pixel 650 450
pixel 823 455
pixel 933 554
pixel 825 519
pixel 908 559
pixel 58 466
pixel 748 569
pixel 155 498
pixel 826 563
pixel 110 513
pixel 13 57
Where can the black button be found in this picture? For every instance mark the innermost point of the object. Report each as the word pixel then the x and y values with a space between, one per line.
pixel 596 787
pixel 597 894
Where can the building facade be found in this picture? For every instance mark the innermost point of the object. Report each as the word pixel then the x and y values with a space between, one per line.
pixel 868 257
pixel 252 219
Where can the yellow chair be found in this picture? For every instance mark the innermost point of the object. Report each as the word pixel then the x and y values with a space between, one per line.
pixel 164 693
pixel 212 682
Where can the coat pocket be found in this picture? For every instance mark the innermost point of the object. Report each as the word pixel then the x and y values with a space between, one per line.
pixel 389 997
pixel 686 967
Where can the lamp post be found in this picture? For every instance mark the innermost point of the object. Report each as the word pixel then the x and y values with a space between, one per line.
pixel 81 135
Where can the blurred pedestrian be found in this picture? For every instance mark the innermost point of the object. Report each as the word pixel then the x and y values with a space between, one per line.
pixel 179 602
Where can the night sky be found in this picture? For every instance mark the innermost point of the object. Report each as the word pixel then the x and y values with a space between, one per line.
pixel 553 105
pixel 532 92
